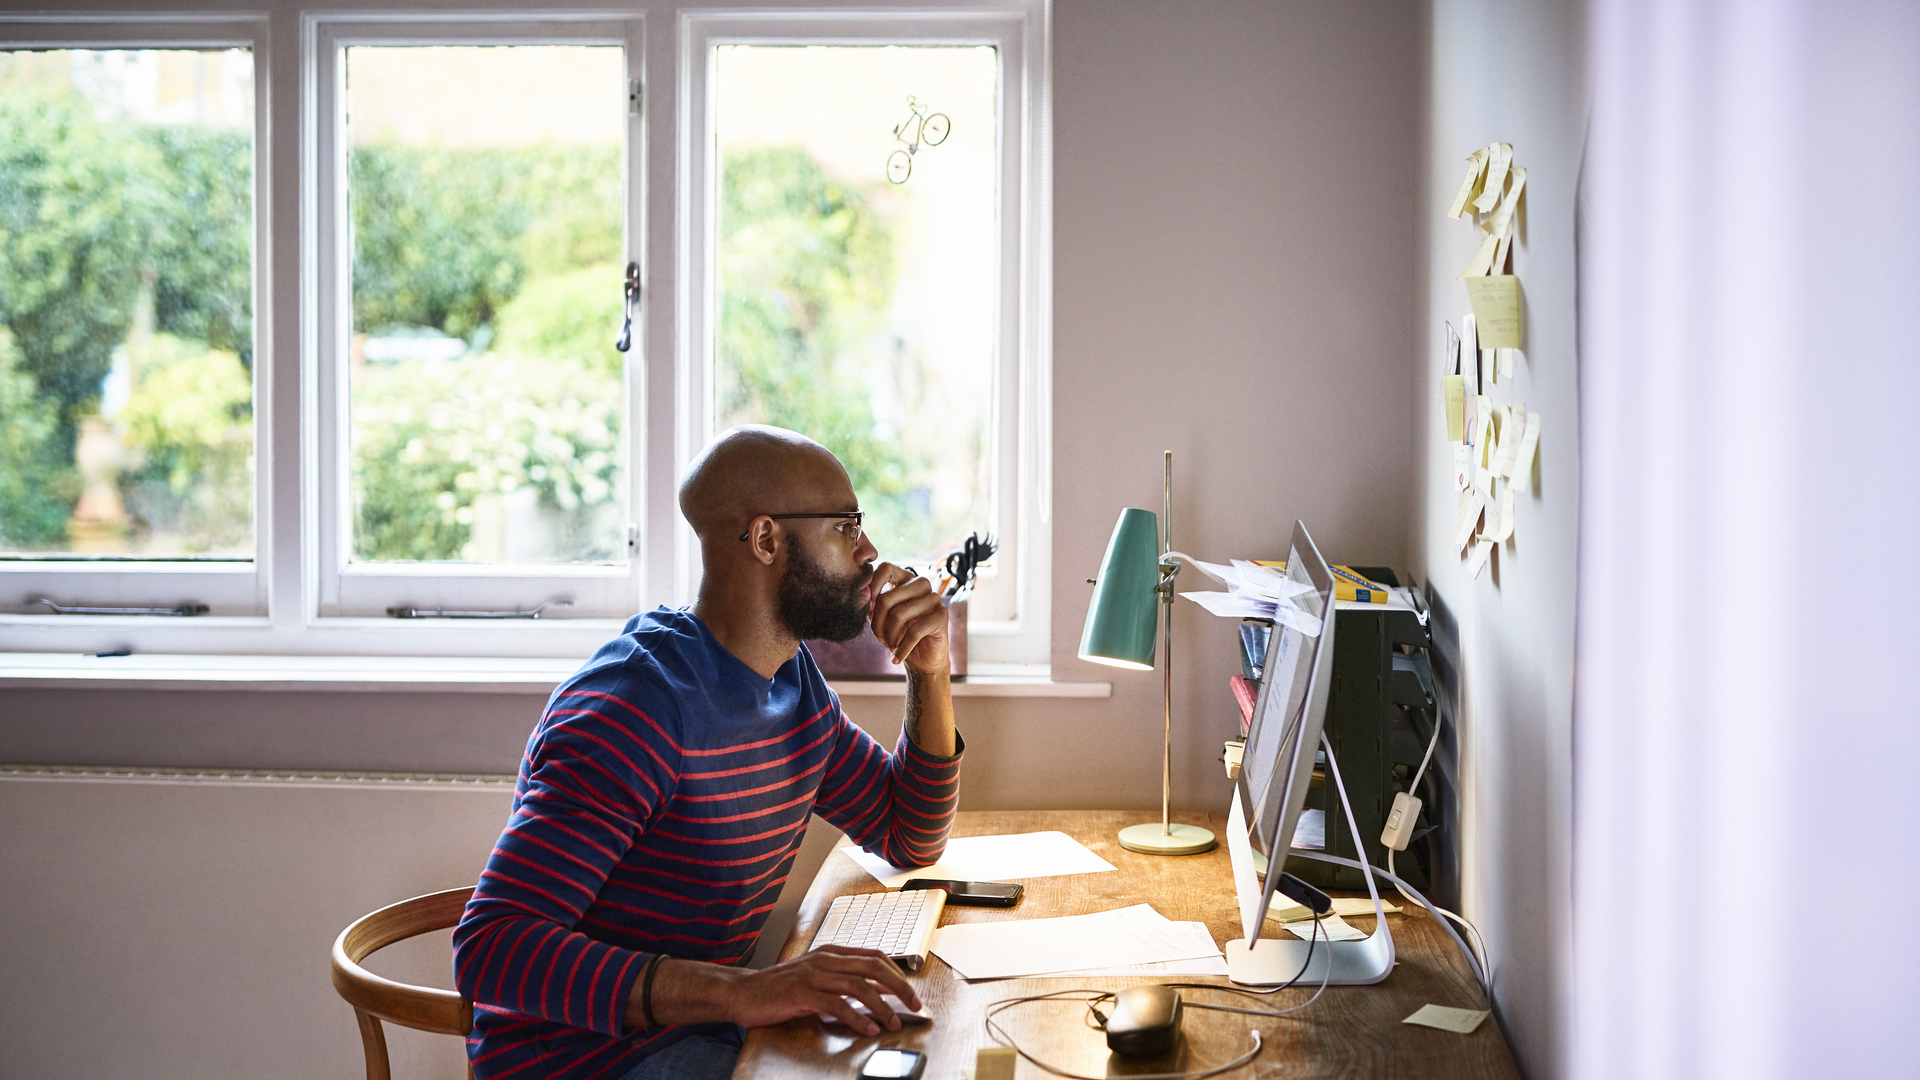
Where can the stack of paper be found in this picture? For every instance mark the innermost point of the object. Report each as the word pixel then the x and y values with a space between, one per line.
pixel 991 858
pixel 1134 940
pixel 1256 592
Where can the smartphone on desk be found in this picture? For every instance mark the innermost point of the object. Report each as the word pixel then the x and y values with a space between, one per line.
pixel 972 893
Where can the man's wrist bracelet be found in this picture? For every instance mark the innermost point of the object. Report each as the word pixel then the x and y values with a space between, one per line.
pixel 646 989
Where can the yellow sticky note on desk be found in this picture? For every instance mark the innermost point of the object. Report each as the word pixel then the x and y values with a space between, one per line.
pixel 1461 1021
pixel 1454 391
pixel 1496 310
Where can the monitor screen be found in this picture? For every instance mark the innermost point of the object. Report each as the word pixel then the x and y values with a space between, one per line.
pixel 1291 706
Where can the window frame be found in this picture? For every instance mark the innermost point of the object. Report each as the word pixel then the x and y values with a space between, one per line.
pixel 1021 416
pixel 234 589
pixel 283 612
pixel 347 589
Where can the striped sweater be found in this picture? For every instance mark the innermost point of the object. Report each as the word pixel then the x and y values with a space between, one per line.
pixel 660 803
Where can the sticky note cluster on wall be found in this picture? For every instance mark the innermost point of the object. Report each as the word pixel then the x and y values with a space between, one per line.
pixel 1494 445
pixel 1494 192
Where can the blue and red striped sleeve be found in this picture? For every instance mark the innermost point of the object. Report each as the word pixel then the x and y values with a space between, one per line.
pixel 898 806
pixel 595 774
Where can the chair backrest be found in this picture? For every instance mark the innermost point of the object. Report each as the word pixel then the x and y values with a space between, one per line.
pixel 375 999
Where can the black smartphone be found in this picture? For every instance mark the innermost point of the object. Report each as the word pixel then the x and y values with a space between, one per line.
pixel 893 1063
pixel 972 893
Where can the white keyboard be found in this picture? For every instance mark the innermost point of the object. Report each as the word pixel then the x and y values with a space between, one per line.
pixel 896 923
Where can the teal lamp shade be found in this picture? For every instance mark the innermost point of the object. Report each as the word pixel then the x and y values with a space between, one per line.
pixel 1120 620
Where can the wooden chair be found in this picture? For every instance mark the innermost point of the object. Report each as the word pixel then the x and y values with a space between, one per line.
pixel 375 999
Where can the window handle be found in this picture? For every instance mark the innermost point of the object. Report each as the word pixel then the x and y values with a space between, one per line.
pixel 632 290
pixel 179 610
pixel 446 613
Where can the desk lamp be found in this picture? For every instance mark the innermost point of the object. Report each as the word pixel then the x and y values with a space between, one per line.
pixel 1136 576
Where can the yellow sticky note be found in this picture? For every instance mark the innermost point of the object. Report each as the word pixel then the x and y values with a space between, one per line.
pixel 997 1062
pixel 1453 390
pixel 1477 558
pixel 1482 262
pixel 1496 310
pixel 1470 187
pixel 1522 470
pixel 1500 156
pixel 1471 503
pixel 1506 515
pixel 1501 222
pixel 1461 1021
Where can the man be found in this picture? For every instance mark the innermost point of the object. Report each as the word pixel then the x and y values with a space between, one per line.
pixel 665 790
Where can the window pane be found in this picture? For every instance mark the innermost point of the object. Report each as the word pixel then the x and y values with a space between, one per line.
pixel 486 397
pixel 859 270
pixel 126 302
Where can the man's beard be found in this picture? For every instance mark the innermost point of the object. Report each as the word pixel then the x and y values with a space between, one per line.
pixel 815 604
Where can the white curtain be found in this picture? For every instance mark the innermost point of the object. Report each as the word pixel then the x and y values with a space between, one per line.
pixel 1747 703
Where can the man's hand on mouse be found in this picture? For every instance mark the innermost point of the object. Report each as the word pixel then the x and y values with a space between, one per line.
pixel 815 984
pixel 909 619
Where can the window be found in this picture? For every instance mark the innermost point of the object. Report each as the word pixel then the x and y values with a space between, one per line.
pixel 127 348
pixel 866 191
pixel 354 355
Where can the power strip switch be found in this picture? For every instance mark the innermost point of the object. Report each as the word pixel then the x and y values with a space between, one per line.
pixel 1399 831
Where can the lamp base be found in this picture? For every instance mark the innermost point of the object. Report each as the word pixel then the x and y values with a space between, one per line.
pixel 1151 839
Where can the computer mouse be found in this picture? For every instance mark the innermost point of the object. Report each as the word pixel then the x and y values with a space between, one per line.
pixel 1145 1020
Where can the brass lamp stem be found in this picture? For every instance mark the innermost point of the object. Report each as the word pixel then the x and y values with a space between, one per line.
pixel 1167 574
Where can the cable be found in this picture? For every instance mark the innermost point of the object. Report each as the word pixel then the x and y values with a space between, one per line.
pixel 1480 944
pixel 1001 1036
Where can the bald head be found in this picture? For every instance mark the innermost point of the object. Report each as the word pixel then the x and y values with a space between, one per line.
pixel 755 470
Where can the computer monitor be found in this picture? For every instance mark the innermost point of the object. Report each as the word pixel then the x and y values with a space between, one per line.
pixel 1275 773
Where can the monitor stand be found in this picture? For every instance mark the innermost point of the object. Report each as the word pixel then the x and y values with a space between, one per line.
pixel 1276 961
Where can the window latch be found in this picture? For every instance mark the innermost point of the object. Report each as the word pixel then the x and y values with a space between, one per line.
pixel 177 610
pixel 632 289
pixel 409 612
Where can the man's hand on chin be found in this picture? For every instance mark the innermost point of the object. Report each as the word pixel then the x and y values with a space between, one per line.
pixel 909 620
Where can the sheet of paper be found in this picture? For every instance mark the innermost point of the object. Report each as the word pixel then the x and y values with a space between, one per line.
pixel 1501 263
pixel 1499 157
pixel 1015 948
pixel 1219 573
pixel 1232 605
pixel 1462 465
pixel 1496 310
pixel 1470 187
pixel 1268 581
pixel 1332 928
pixel 1342 905
pixel 1471 504
pixel 1506 516
pixel 1522 472
pixel 1507 359
pixel 1482 260
pixel 1286 614
pixel 1477 559
pixel 1491 524
pixel 1453 398
pixel 1501 223
pixel 1461 1021
pixel 992 858
pixel 1196 934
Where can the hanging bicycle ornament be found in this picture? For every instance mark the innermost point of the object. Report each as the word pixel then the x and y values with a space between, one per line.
pixel 920 130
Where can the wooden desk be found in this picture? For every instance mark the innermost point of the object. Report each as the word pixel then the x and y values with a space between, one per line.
pixel 1350 1031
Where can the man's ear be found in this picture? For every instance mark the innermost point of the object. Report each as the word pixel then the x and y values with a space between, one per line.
pixel 763 540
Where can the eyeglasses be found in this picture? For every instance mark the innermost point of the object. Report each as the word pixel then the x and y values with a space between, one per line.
pixel 850 528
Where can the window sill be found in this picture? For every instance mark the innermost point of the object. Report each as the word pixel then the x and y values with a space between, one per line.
pixel 392 674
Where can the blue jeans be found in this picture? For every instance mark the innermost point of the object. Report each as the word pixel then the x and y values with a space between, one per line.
pixel 699 1056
